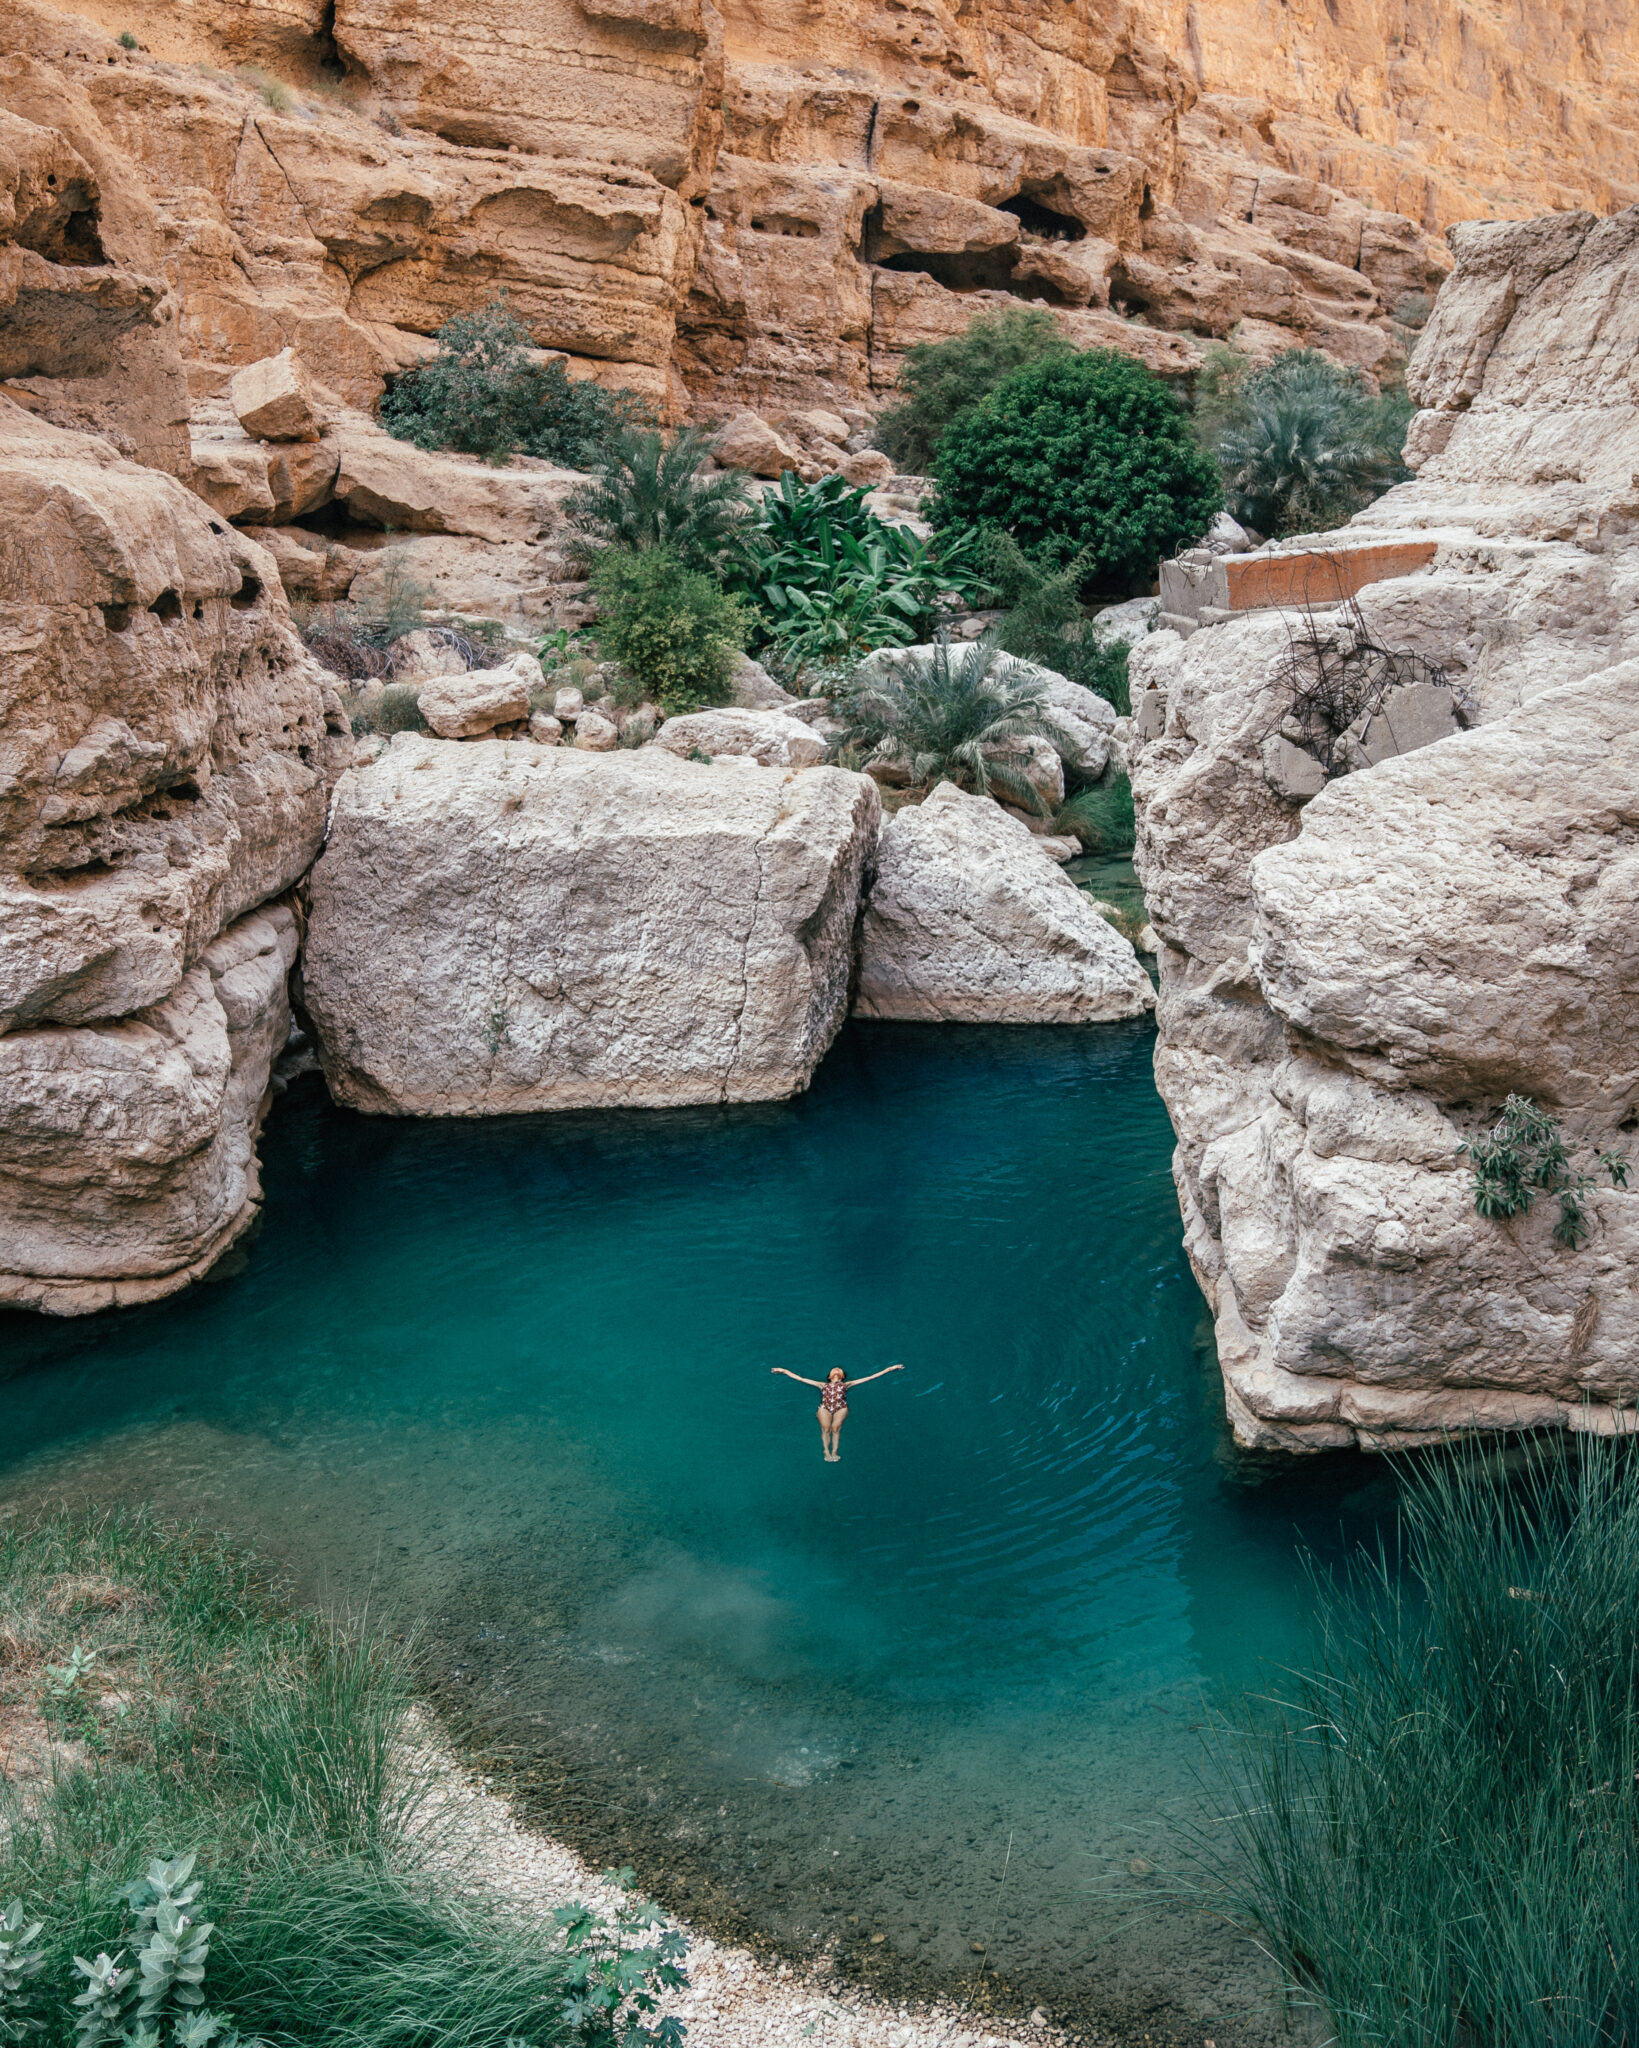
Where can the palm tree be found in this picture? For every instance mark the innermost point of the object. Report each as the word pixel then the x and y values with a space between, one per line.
pixel 649 493
pixel 953 716
pixel 1305 446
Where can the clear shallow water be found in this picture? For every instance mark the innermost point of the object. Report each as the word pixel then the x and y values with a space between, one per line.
pixel 512 1379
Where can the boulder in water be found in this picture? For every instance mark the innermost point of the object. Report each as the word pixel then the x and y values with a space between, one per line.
pixel 503 928
pixel 971 922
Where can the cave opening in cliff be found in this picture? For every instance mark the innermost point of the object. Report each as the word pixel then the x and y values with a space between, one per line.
pixel 1046 221
pixel 974 270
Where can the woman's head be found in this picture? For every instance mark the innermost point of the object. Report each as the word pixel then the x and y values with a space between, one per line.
pixel 837 1373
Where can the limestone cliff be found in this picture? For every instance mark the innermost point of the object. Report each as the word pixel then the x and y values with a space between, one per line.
pixel 768 204
pixel 1352 985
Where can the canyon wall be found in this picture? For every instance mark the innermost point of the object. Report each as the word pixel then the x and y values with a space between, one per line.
pixel 767 205
pixel 1353 984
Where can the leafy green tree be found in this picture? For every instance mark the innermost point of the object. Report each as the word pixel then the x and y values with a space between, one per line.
pixel 673 628
pixel 649 492
pixel 1085 456
pixel 947 714
pixel 1303 444
pixel 944 380
pixel 487 393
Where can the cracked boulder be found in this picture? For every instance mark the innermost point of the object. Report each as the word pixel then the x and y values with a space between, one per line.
pixel 498 927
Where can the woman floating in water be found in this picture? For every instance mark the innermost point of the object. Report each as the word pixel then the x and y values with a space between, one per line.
pixel 833 1407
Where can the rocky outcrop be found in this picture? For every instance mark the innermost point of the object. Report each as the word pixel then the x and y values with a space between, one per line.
pixel 168 751
pixel 970 922
pixel 1356 972
pixel 774 739
pixel 498 926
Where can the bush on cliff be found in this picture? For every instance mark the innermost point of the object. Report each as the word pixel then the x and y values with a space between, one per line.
pixel 944 380
pixel 1435 1838
pixel 1085 456
pixel 650 491
pixel 487 393
pixel 672 628
pixel 1302 443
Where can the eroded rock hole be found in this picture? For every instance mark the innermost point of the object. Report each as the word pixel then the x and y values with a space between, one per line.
pixel 786 224
pixel 982 270
pixel 246 595
pixel 1037 219
pixel 167 606
pixel 116 617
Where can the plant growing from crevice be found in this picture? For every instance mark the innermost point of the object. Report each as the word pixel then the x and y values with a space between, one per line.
pixel 1101 816
pixel 651 490
pixel 1335 674
pixel 488 392
pixel 1523 1155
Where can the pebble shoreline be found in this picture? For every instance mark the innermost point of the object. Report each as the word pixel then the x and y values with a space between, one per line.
pixel 734 1999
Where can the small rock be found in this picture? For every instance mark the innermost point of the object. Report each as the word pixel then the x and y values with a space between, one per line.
pixel 1140 1866
pixel 755 689
pixel 876 1938
pixel 772 738
pixel 825 426
pixel 273 402
pixel 568 704
pixel 368 747
pixel 1038 2018
pixel 869 466
pixel 750 443
pixel 1147 942
pixel 595 734
pixel 464 707
pixel 545 729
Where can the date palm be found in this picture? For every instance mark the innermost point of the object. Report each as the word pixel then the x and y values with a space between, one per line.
pixel 951 714
pixel 649 493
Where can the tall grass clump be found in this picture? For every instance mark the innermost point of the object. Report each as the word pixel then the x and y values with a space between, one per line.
pixel 240 1832
pixel 1437 1838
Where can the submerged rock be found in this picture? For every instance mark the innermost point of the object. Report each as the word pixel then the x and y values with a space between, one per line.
pixel 971 922
pixel 519 928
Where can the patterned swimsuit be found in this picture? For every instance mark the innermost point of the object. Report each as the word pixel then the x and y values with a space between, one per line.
pixel 834 1395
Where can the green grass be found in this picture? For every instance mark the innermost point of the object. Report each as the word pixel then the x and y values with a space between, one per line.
pixel 215 1717
pixel 1435 1835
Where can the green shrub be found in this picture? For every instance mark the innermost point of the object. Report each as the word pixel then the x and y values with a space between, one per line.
pixel 1084 456
pixel 1302 443
pixel 1434 1834
pixel 485 393
pixel 1525 1154
pixel 948 714
pixel 946 379
pixel 674 630
pixel 1101 816
pixel 1047 623
pixel 649 492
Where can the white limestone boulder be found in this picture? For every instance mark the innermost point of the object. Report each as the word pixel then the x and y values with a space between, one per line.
pixel 498 928
pixel 969 921
pixel 461 707
pixel 770 738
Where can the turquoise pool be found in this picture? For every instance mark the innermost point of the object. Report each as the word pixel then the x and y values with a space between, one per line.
pixel 511 1380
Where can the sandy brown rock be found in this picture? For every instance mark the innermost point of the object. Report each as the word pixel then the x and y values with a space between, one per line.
pixel 498 927
pixel 273 400
pixel 462 707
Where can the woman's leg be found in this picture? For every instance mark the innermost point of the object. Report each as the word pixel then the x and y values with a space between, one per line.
pixel 837 1420
pixel 825 1432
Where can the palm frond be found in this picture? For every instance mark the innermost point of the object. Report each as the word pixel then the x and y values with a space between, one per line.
pixel 650 493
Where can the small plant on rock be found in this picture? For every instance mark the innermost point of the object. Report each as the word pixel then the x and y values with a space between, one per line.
pixel 1523 1155
pixel 948 715
pixel 127 41
pixel 1047 623
pixel 672 628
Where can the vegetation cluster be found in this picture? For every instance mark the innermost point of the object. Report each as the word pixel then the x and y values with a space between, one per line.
pixel 235 1814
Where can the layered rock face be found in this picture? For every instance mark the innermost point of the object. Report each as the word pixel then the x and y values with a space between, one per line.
pixel 1350 987
pixel 776 203
pixel 167 754
pixel 501 927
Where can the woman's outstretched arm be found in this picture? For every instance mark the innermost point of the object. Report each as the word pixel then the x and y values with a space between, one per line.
pixel 797 1376
pixel 882 1375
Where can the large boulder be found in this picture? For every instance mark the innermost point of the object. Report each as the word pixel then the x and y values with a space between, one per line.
pixel 273 402
pixel 497 927
pixel 394 484
pixel 771 738
pixel 970 922
pixel 169 750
